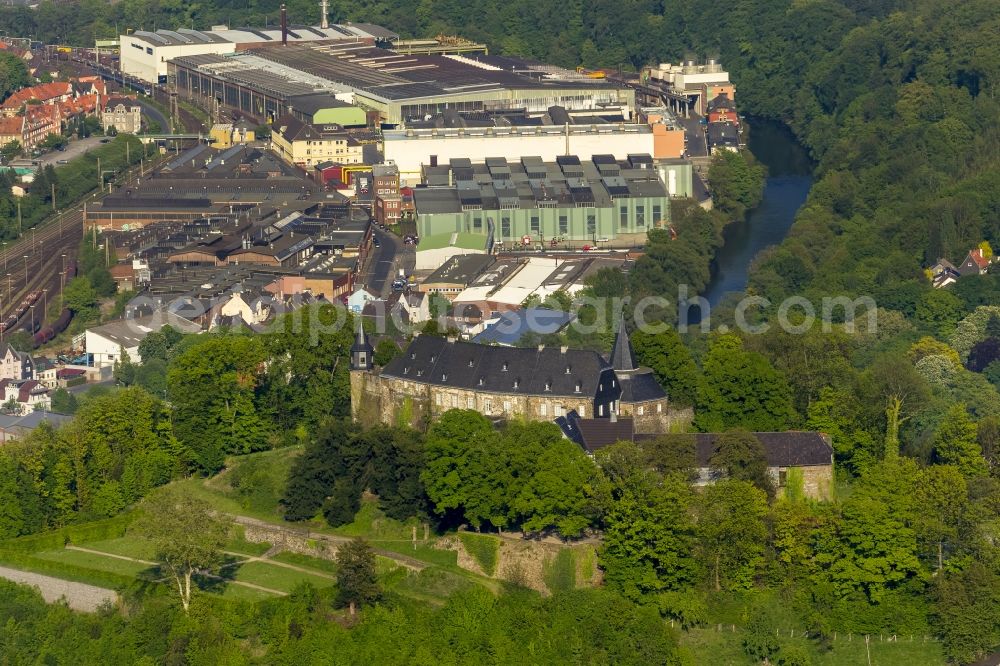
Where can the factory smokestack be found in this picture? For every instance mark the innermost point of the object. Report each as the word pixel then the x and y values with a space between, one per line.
pixel 324 7
pixel 284 26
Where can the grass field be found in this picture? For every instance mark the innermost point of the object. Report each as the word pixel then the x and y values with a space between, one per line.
pixel 276 577
pixel 100 563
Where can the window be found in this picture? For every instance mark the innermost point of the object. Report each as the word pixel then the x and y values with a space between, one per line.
pixel 477 223
pixel 640 410
pixel 640 216
pixel 782 478
pixel 470 403
pixel 563 224
pixel 656 213
pixel 454 401
pixel 560 410
pixel 506 406
pixel 544 409
pixel 600 410
pixel 362 358
pixel 591 224
pixel 505 226
pixel 488 406
pixel 659 408
pixel 623 217
pixel 437 399
pixel 535 226
pixel 582 411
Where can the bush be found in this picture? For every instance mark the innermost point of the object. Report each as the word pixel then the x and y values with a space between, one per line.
pixel 484 549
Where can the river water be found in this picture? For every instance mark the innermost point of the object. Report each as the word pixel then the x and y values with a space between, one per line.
pixel 788 182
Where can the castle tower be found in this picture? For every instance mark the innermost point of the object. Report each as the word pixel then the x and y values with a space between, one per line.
pixel 362 354
pixel 642 397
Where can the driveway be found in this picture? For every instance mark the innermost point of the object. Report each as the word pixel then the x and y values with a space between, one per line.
pixel 73 149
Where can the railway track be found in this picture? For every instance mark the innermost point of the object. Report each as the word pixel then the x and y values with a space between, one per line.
pixel 38 261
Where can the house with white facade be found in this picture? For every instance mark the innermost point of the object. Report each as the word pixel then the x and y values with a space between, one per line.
pixel 108 343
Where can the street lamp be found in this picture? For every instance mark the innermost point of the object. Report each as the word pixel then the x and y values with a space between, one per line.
pixel 25 271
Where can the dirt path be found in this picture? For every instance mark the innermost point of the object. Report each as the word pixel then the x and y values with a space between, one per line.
pixel 112 555
pixel 79 596
pixel 277 563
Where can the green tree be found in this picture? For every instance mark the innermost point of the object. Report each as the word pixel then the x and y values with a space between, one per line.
pixel 385 351
pixel 943 511
pixel 894 386
pixel 357 582
pixel 63 402
pixel 740 389
pixel 737 182
pixel 212 387
pixel 956 443
pixel 649 538
pixel 671 361
pixel 188 537
pixel 11 150
pixel 731 532
pixel 740 455
pixel 125 370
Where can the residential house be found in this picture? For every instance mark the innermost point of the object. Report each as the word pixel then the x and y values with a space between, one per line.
pixel 26 395
pixel 13 427
pixel 108 343
pixel 308 145
pixel 31 128
pixel 123 114
pixel 975 263
pixel 16 365
pixel 943 274
pixel 45 94
pixel 356 302
pixel 721 109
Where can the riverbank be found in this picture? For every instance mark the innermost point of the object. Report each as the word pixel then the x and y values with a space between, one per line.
pixel 788 183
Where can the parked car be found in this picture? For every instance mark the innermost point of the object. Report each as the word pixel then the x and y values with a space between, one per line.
pixel 398 285
pixel 376 242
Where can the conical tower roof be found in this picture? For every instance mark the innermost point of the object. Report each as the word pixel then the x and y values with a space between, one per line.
pixel 622 356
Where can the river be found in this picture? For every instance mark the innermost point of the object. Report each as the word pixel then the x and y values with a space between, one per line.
pixel 788 182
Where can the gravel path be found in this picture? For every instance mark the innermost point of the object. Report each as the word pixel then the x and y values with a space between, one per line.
pixel 79 596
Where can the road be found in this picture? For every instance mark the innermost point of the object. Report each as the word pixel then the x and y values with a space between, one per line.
pixel 380 270
pixel 79 596
pixel 697 142
pixel 153 114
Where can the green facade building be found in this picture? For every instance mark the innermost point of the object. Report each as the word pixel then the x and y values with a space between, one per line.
pixel 549 204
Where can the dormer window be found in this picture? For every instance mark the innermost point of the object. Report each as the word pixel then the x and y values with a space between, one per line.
pixel 517 382
pixel 481 381
pixel 567 370
pixel 413 356
pixel 548 386
pixel 420 373
pixel 432 358
pixel 444 377
pixel 505 365
pixel 471 363
pixel 406 370
pixel 578 387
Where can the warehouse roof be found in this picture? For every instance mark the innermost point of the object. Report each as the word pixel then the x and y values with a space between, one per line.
pixel 296 33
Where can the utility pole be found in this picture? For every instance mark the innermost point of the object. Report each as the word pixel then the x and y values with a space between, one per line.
pixel 18 219
pixel 53 197
pixel 100 179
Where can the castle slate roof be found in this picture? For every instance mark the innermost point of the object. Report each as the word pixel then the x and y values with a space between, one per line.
pixel 528 371
pixel 622 357
pixel 794 448
pixel 640 386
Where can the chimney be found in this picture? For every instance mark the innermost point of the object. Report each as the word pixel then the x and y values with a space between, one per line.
pixel 324 7
pixel 284 26
pixel 563 349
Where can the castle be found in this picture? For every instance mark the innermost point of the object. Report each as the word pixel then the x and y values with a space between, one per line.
pixel 436 374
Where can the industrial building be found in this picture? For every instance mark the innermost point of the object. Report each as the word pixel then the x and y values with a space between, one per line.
pixel 412 149
pixel 145 54
pixel 537 203
pixel 204 182
pixel 700 82
pixel 399 88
